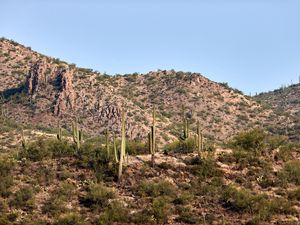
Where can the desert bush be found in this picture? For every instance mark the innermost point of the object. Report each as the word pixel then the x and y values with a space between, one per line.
pixel 285 152
pixel 70 219
pixel 295 195
pixel 161 209
pixel 181 146
pixel 186 215
pixel 253 141
pixel 56 204
pixel 205 168
pixel 143 216
pixel 184 198
pixel 96 158
pixel 23 199
pixel 114 213
pixel 97 196
pixel 7 165
pixel 4 220
pixel 290 172
pixel 136 148
pixel 211 189
pixel 45 174
pixel 37 151
pixel 46 148
pixel 156 188
pixel 242 200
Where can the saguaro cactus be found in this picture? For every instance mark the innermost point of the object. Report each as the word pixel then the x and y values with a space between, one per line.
pixel 59 133
pixel 186 131
pixel 23 141
pixel 152 137
pixel 77 134
pixel 115 148
pixel 199 140
pixel 107 142
pixel 123 146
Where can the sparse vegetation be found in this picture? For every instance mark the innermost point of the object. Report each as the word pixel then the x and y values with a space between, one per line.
pixel 154 163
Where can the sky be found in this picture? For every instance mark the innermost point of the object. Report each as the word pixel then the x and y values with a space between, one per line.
pixel 253 45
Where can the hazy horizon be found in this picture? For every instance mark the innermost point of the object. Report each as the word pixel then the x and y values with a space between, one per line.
pixel 251 45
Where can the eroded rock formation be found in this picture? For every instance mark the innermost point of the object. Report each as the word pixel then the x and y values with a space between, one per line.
pixel 56 83
pixel 65 98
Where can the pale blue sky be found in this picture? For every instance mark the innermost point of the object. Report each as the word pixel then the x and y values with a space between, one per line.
pixel 254 45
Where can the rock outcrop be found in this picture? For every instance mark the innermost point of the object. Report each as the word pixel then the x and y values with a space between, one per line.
pixel 65 98
pixel 35 77
pixel 46 79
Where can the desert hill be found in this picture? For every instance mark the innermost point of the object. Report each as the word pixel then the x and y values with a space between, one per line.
pixel 52 174
pixel 42 91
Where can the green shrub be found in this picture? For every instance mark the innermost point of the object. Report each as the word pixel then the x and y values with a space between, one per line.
pixel 211 189
pixel 45 174
pixel 61 148
pixel 295 195
pixel 186 215
pixel 290 172
pixel 98 196
pixel 143 216
pixel 205 168
pixel 156 188
pixel 161 209
pixel 181 146
pixel 285 152
pixel 136 148
pixel 184 198
pixel 23 199
pixel 46 148
pixel 70 219
pixel 253 141
pixel 243 200
pixel 4 220
pixel 37 151
pixel 115 212
pixel 244 159
pixel 7 165
pixel 93 157
pixel 56 204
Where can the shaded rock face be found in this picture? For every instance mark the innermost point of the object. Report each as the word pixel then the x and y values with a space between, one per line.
pixel 47 80
pixel 35 77
pixel 66 95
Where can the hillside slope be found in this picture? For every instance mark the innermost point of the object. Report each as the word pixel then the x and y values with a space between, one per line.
pixel 41 91
pixel 284 101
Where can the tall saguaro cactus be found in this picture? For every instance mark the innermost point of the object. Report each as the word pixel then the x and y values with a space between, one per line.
pixel 107 142
pixel 115 148
pixel 152 137
pixel 199 140
pixel 59 132
pixel 123 146
pixel 77 134
pixel 186 131
pixel 23 141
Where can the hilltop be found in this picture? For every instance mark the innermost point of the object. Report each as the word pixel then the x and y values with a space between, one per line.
pixel 284 100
